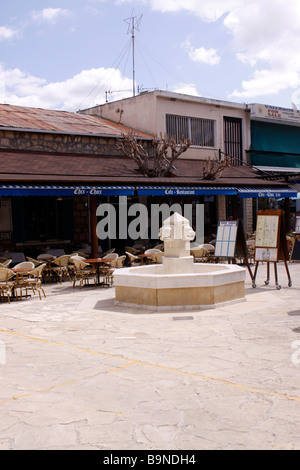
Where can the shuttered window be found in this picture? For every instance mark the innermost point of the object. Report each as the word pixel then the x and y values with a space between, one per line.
pixel 199 131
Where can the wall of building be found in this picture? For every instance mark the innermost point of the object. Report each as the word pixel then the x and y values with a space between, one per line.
pixel 58 143
pixel 147 112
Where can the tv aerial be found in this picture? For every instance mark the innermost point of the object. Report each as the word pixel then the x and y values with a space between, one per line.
pixel 133 25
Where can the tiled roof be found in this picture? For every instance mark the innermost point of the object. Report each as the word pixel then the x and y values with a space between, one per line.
pixel 53 168
pixel 45 120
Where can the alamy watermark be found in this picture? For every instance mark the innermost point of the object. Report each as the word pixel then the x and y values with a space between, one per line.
pixel 138 221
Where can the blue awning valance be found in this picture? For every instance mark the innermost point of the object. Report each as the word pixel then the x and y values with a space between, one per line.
pixel 185 191
pixel 274 192
pixel 50 190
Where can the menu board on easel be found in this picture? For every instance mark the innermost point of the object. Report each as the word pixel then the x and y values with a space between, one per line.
pixel 267 237
pixel 230 238
pixel 226 239
pixel 270 242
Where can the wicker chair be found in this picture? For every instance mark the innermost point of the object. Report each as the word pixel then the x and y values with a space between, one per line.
pixel 200 255
pixel 34 280
pixel 157 257
pixel 61 268
pixel 4 263
pixel 133 259
pixel 22 276
pixel 36 262
pixel 108 270
pixel 6 285
pixel 83 272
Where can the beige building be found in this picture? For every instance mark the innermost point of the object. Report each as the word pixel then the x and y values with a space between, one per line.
pixel 215 128
pixel 212 125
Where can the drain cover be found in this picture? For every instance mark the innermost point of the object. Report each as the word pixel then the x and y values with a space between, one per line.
pixel 183 318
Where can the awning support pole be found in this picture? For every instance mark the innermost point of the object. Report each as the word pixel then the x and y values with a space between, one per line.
pixel 93 225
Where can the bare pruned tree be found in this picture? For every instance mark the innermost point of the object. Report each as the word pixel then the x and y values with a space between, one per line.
pixel 213 169
pixel 160 161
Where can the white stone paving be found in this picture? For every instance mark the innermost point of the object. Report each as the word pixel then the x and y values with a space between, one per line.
pixel 82 373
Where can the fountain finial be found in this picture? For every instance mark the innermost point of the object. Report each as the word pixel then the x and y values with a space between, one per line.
pixel 176 233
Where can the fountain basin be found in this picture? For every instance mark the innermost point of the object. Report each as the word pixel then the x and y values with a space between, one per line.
pixel 203 286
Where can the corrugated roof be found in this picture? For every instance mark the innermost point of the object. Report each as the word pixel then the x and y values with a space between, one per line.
pixel 46 120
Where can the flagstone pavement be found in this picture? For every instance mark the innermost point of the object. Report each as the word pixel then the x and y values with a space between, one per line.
pixel 79 372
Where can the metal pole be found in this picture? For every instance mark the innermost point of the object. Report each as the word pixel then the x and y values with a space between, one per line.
pixel 133 65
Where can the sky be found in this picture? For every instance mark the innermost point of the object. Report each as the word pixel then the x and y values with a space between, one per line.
pixel 74 54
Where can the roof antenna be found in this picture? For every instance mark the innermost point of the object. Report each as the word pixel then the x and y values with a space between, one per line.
pixel 133 24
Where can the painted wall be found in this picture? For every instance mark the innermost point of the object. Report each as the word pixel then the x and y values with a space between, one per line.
pixel 147 112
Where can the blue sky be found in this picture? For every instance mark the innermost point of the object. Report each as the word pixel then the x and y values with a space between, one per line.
pixel 72 54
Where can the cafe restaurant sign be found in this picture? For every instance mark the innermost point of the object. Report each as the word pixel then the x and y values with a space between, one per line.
pixel 50 190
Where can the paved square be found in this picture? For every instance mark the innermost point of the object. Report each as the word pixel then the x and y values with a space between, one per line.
pixel 78 372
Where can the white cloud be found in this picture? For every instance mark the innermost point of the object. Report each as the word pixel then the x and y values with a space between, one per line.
pixel 84 89
pixel 6 33
pixel 265 36
pixel 187 89
pixel 200 54
pixel 49 15
pixel 207 10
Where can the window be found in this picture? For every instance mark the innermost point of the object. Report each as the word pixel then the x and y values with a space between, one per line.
pixel 199 131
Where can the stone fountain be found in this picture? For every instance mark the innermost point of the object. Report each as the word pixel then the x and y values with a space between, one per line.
pixel 179 283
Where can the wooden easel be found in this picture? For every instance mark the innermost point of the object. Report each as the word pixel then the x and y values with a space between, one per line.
pixel 229 241
pixel 270 244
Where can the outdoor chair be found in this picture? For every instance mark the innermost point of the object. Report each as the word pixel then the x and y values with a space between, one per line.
pixel 201 255
pixel 133 259
pixel 6 285
pixel 159 247
pixel 61 267
pixel 25 264
pixel 21 277
pixel 5 263
pixel 71 266
pixel 36 262
pixel 152 251
pixel 108 270
pixel 131 250
pixel 34 281
pixel 83 272
pixel 107 252
pixel 110 256
pixel 157 257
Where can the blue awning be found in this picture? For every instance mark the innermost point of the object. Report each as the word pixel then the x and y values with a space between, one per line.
pixel 185 191
pixel 274 192
pixel 49 190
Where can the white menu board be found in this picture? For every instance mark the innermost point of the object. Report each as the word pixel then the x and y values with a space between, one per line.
pixel 226 239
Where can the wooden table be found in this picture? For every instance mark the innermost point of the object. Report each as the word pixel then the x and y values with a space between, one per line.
pixel 98 262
